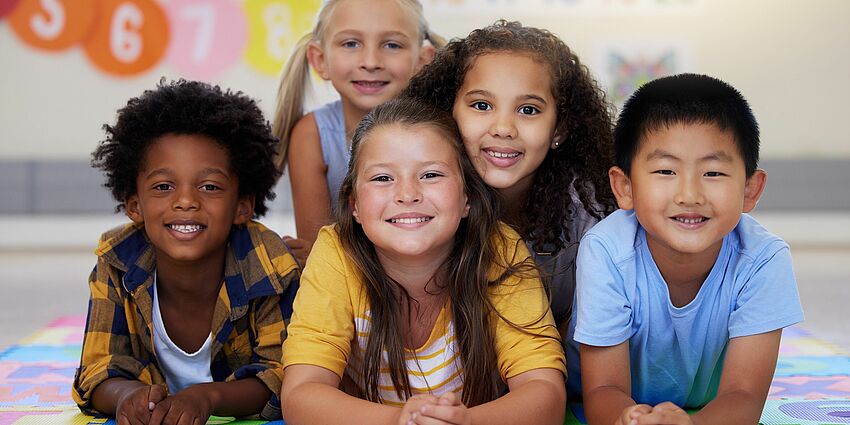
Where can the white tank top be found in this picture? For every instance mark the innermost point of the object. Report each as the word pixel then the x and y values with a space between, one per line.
pixel 181 369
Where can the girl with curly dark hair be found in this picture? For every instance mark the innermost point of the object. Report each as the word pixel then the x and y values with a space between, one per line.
pixel 538 129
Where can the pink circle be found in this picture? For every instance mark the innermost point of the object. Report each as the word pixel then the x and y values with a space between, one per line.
pixel 7 6
pixel 207 37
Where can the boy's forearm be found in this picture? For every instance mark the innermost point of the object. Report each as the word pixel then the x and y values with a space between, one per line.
pixel 242 397
pixel 734 407
pixel 109 393
pixel 604 405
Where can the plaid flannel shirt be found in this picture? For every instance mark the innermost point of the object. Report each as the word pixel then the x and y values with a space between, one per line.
pixel 249 323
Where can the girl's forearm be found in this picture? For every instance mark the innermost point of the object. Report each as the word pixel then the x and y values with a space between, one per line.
pixel 316 403
pixel 535 402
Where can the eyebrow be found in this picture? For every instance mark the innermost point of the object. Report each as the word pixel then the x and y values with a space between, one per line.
pixel 356 33
pixel 713 156
pixel 421 165
pixel 486 93
pixel 204 172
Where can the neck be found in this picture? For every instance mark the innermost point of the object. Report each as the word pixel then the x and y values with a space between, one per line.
pixel 351 116
pixel 193 282
pixel 513 200
pixel 684 273
pixel 416 275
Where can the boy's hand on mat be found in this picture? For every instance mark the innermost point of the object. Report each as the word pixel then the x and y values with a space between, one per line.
pixel 665 413
pixel 191 406
pixel 300 248
pixel 449 409
pixel 631 413
pixel 412 406
pixel 135 407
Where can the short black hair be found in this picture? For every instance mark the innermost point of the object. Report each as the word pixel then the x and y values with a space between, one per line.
pixel 686 99
pixel 183 107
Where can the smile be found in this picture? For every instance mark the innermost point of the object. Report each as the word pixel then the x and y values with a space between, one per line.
pixel 495 154
pixel 690 220
pixel 186 228
pixel 410 220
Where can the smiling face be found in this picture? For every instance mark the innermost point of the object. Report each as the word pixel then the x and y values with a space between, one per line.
pixel 188 198
pixel 369 51
pixel 409 192
pixel 688 187
pixel 506 114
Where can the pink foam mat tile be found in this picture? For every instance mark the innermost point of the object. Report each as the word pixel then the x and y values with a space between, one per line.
pixel 810 387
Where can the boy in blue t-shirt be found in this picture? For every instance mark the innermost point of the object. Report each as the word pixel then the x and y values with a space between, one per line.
pixel 681 297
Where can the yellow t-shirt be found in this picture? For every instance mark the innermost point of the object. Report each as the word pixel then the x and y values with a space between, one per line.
pixel 330 324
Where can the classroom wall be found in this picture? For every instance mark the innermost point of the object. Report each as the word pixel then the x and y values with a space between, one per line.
pixel 788 57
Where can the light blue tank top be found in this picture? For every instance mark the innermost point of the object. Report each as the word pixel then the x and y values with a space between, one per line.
pixel 335 151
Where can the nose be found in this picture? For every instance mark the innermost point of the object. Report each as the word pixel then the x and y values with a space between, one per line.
pixel 690 191
pixel 503 125
pixel 408 192
pixel 370 59
pixel 185 199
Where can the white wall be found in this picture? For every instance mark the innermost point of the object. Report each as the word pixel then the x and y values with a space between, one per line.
pixel 790 58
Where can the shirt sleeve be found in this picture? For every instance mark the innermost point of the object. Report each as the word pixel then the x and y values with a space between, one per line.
pixel 769 299
pixel 110 346
pixel 604 311
pixel 322 326
pixel 526 335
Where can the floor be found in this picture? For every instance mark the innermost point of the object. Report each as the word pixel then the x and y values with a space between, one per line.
pixel 40 285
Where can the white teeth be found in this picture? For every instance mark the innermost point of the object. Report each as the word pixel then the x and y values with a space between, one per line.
pixel 690 220
pixel 185 228
pixel 410 220
pixel 502 154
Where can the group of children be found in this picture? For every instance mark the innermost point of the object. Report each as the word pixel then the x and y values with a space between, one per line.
pixel 458 232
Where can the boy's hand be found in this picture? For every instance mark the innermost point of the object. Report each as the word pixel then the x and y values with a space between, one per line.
pixel 191 406
pixel 300 248
pixel 631 413
pixel 412 406
pixel 448 410
pixel 665 413
pixel 135 407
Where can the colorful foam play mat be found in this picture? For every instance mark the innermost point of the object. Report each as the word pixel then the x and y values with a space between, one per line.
pixel 811 385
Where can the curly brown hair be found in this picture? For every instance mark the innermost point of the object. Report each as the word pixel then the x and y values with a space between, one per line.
pixel 584 116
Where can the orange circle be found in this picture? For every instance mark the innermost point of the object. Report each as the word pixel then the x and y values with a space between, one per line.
pixel 129 36
pixel 52 24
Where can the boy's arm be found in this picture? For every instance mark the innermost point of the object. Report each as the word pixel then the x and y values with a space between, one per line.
pixel 307 176
pixel 606 382
pixel 747 372
pixel 234 398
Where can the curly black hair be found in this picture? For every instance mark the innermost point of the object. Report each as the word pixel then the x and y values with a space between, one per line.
pixel 190 108
pixel 584 117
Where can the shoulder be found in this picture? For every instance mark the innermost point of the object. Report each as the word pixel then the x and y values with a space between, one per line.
pixel 509 244
pixel 616 234
pixel 752 240
pixel 122 244
pixel 305 127
pixel 263 258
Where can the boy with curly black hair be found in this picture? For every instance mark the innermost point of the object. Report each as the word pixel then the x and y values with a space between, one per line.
pixel 189 302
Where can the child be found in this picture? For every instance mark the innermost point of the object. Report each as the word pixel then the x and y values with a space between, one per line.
pixel 368 50
pixel 189 301
pixel 418 300
pixel 537 128
pixel 681 297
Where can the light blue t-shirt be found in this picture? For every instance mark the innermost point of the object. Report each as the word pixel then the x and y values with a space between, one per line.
pixel 677 354
pixel 335 151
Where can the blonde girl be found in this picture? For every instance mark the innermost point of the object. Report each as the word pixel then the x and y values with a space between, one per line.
pixel 419 301
pixel 368 50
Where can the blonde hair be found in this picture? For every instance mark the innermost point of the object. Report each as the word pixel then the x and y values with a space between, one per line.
pixel 295 78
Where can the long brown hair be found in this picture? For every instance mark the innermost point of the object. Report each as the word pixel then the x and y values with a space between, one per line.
pixel 465 280
pixel 583 157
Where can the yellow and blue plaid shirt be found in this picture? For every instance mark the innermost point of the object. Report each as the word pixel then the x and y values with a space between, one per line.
pixel 249 323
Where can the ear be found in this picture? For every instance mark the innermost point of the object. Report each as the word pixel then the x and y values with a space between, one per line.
pixel 244 210
pixel 426 55
pixel 133 210
pixel 621 185
pixel 316 58
pixel 353 207
pixel 557 139
pixel 466 206
pixel 754 189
